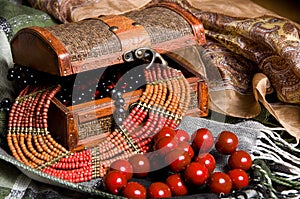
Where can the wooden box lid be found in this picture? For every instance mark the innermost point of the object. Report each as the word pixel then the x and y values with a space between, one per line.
pixel 72 48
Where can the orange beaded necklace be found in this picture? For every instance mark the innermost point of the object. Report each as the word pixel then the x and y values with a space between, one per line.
pixel 163 103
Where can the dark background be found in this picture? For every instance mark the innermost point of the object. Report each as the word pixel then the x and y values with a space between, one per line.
pixel 285 8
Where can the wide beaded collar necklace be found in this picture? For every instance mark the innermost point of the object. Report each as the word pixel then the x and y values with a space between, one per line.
pixel 163 102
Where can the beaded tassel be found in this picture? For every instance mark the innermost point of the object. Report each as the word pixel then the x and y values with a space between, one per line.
pixel 163 102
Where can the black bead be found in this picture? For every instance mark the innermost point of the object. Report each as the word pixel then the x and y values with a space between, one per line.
pixel 6 109
pixel 120 110
pixel 118 120
pixel 102 84
pixel 120 102
pixel 31 75
pixel 35 82
pixel 20 86
pixel 20 70
pixel 64 90
pixel 19 77
pixel 117 95
pixel 11 77
pixel 11 71
pixel 107 91
pixel 25 81
pixel 6 102
pixel 26 70
pixel 64 101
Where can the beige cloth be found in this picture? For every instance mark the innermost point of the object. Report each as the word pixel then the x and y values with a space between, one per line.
pixel 106 7
pixel 228 7
pixel 288 115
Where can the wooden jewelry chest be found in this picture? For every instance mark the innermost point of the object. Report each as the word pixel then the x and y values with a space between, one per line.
pixel 66 50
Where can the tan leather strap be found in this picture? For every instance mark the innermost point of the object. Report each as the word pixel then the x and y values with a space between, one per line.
pixel 131 34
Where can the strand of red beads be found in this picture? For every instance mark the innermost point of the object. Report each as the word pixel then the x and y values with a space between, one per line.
pixel 144 136
pixel 35 97
pixel 39 158
pixel 135 118
pixel 38 128
pixel 48 140
pixel 170 105
pixel 185 97
pixel 115 142
pixel 19 135
pixel 33 136
pixel 74 167
pixel 12 128
pixel 173 103
pixel 122 132
pixel 138 114
pixel 24 134
pixel 44 139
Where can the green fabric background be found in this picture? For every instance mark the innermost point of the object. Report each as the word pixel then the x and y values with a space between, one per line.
pixel 21 16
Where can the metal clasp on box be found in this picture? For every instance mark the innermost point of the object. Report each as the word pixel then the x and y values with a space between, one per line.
pixel 144 53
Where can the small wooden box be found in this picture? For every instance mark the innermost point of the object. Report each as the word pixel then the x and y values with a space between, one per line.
pixel 85 124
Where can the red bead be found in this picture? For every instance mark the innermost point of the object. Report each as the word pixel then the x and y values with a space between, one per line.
pixel 226 142
pixel 239 178
pixel 134 190
pixel 177 159
pixel 208 160
pixel 177 185
pixel 159 190
pixel 240 160
pixel 220 182
pixel 196 173
pixel 140 164
pixel 114 181
pixel 202 140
